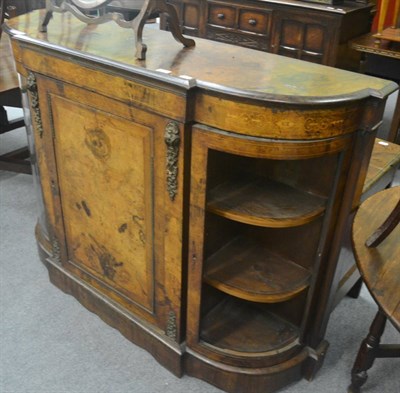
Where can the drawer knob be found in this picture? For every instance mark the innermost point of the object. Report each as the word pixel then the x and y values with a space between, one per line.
pixel 221 16
pixel 252 22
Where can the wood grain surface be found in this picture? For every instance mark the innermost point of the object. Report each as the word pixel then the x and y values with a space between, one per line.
pixel 213 66
pixel 248 270
pixel 379 266
pixel 264 202
pixel 147 172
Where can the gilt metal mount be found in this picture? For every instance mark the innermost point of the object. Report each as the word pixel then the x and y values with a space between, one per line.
pixel 31 86
pixel 172 140
pixel 100 11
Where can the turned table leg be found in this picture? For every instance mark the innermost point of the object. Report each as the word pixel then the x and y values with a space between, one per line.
pixel 367 353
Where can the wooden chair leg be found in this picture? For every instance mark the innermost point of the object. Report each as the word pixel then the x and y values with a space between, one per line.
pixel 394 133
pixel 3 117
pixel 367 353
pixel 355 289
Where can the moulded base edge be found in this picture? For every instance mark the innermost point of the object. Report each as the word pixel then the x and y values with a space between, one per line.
pixel 168 354
pixel 245 380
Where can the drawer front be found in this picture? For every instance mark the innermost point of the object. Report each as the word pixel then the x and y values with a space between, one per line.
pixel 255 22
pixel 221 15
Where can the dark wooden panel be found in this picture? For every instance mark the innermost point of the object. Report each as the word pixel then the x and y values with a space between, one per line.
pixel 308 36
pixel 191 15
pixel 309 31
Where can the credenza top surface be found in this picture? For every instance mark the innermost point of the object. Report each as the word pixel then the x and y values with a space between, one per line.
pixel 214 66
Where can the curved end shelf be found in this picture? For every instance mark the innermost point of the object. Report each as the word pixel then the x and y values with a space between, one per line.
pixel 234 326
pixel 248 270
pixel 264 202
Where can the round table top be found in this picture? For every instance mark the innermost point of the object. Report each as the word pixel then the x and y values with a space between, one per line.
pixel 379 266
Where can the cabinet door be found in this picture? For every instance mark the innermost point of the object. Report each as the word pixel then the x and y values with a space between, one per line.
pixel 312 37
pixel 109 200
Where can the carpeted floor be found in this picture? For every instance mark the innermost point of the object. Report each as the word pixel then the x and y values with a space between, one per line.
pixel 49 343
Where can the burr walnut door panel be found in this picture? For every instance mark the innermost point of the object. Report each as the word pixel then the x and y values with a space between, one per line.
pixel 104 167
pixel 111 200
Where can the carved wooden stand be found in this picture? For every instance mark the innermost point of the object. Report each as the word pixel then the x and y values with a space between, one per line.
pixel 150 7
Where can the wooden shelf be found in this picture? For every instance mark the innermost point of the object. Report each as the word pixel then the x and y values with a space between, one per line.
pixel 234 325
pixel 390 34
pixel 246 269
pixel 264 202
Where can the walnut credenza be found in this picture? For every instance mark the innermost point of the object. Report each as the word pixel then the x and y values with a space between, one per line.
pixel 196 201
pixel 309 31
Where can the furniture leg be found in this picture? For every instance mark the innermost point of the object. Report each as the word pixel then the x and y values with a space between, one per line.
pixel 394 134
pixel 355 289
pixel 45 22
pixel 3 116
pixel 150 7
pixel 367 353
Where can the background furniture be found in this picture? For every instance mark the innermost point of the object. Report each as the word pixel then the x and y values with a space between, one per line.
pixel 24 6
pixel 391 33
pixel 140 179
pixel 10 95
pixel 16 160
pixel 382 59
pixel 97 11
pixel 376 234
pixel 381 55
pixel 385 161
pixel 307 31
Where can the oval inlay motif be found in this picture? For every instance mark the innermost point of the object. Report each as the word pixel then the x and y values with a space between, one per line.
pixel 99 143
